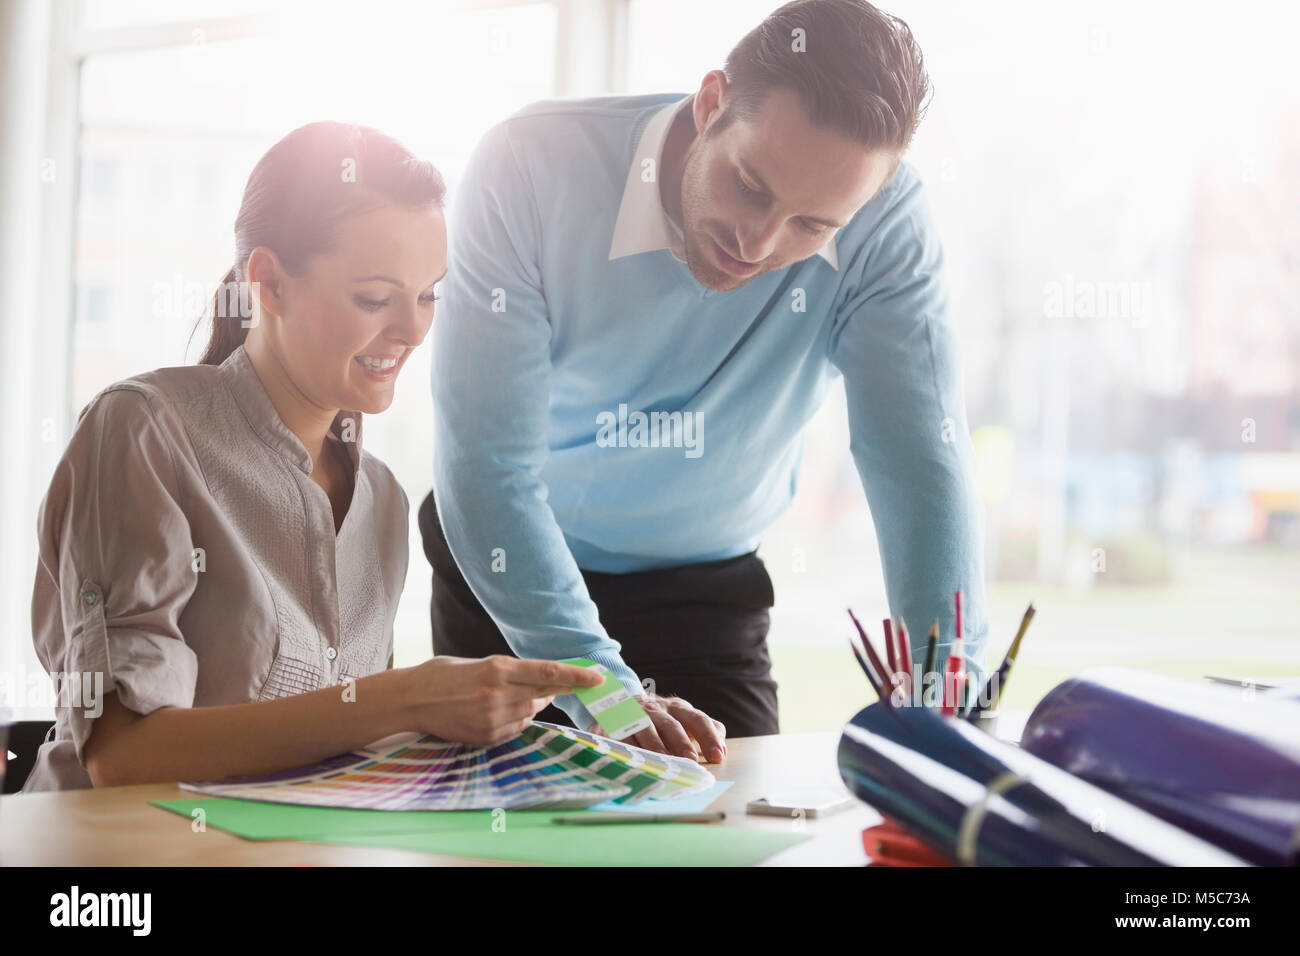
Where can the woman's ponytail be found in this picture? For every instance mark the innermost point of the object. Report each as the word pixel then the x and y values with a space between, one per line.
pixel 228 331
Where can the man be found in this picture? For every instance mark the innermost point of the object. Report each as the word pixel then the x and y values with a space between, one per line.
pixel 648 298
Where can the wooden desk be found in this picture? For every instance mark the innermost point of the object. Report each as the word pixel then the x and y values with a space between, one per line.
pixel 116 826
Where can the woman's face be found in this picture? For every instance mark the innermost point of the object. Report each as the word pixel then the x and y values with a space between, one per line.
pixel 348 322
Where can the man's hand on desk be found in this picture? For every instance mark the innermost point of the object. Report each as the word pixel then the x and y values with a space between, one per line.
pixel 677 727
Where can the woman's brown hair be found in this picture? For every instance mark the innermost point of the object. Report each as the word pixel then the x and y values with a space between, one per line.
pixel 308 182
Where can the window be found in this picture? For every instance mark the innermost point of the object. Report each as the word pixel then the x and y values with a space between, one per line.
pixel 168 136
pixel 1139 475
pixel 1119 224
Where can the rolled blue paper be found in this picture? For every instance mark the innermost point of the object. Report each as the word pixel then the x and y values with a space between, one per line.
pixel 1222 762
pixel 980 801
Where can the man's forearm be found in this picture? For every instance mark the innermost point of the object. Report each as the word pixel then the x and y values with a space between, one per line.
pixel 514 558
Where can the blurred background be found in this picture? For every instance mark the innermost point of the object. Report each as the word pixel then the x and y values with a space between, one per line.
pixel 1115 183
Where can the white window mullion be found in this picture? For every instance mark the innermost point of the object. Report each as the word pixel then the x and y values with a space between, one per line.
pixel 590 47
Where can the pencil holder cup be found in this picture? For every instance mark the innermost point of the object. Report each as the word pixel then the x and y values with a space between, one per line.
pixel 986 722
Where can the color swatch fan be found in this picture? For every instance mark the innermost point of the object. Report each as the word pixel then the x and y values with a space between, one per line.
pixel 546 767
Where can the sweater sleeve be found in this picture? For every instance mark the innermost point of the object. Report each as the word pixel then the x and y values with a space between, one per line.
pixel 116 569
pixel 491 387
pixel 909 437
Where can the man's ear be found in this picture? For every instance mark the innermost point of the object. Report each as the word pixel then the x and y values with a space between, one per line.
pixel 266 276
pixel 710 99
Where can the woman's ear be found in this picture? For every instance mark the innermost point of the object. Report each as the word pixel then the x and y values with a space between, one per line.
pixel 266 279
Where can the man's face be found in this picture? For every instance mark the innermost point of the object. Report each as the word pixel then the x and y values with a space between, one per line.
pixel 769 191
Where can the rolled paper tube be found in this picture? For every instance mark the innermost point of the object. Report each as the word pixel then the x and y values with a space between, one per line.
pixel 977 800
pixel 1218 761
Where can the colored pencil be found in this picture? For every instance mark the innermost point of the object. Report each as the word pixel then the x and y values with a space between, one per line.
pixel 597 817
pixel 872 656
pixel 889 648
pixel 871 678
pixel 1001 674
pixel 954 675
pixel 904 650
pixel 931 657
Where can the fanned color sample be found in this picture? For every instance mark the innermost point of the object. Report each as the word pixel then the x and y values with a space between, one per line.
pixel 546 767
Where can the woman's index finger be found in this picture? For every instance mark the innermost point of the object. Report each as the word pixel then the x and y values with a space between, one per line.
pixel 544 672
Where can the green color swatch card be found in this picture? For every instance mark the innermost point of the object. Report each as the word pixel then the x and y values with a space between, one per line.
pixel 618 712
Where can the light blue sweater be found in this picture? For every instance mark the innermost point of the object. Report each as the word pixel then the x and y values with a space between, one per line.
pixel 551 360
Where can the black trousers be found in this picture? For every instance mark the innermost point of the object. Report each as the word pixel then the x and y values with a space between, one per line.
pixel 698 631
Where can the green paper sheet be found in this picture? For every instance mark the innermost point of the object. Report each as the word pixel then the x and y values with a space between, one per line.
pixel 528 836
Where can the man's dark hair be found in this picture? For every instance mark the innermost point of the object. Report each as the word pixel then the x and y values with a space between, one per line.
pixel 855 69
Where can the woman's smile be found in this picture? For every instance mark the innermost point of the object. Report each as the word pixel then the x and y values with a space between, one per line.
pixel 381 368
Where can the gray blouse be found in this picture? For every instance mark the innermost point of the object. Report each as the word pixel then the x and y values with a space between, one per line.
pixel 187 559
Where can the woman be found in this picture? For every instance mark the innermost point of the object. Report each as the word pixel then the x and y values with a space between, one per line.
pixel 220 562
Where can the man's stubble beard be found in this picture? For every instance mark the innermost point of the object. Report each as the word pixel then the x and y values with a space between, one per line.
pixel 693 241
pixel 704 272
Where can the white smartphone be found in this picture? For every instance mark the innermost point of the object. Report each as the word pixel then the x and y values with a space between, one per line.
pixel 816 802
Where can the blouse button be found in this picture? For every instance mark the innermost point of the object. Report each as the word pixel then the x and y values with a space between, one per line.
pixel 331 653
pixel 89 596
